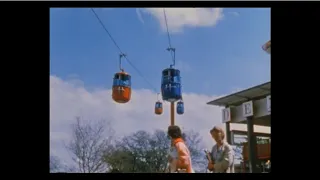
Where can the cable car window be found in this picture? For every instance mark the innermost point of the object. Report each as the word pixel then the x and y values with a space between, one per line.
pixel 129 80
pixel 165 79
pixel 180 105
pixel 175 72
pixel 172 72
pixel 124 77
pixel 158 105
pixel 176 79
pixel 116 82
pixel 165 73
pixel 116 76
pixel 171 79
pixel 125 80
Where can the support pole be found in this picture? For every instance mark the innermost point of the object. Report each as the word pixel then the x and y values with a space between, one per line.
pixel 252 143
pixel 228 130
pixel 228 133
pixel 172 114
pixel 172 119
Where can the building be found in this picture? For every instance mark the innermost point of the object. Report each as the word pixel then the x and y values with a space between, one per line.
pixel 251 107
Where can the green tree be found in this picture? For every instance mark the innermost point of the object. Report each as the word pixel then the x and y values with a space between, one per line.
pixel 145 152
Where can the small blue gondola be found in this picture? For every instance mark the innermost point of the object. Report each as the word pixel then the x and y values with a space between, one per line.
pixel 180 107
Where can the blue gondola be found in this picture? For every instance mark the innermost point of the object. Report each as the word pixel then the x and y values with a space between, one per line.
pixel 171 85
pixel 180 107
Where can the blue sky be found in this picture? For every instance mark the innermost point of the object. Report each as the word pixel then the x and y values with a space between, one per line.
pixel 217 50
pixel 213 60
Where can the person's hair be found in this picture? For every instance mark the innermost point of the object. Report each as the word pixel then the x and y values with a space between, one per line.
pixel 218 129
pixel 174 132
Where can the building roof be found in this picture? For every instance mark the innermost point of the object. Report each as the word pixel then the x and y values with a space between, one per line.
pixel 239 132
pixel 253 93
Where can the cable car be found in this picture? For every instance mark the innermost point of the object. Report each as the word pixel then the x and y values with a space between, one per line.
pixel 158 109
pixel 171 85
pixel 121 89
pixel 180 107
pixel 267 47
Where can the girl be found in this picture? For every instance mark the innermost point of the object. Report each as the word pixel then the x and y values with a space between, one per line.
pixel 179 156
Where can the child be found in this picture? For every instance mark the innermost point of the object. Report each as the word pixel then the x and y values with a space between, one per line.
pixel 179 156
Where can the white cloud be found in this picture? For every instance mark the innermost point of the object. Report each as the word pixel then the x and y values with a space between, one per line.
pixel 234 13
pixel 179 18
pixel 68 101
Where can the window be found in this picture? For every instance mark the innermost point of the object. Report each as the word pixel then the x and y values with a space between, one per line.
pixel 122 80
pixel 175 72
pixel 165 79
pixel 116 82
pixel 247 108
pixel 177 79
pixel 124 77
pixel 158 105
pixel 165 73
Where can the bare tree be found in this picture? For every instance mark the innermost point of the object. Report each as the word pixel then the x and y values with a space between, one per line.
pixel 90 142
pixel 55 164
pixel 196 146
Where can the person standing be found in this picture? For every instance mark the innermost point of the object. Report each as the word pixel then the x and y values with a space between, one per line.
pixel 222 154
pixel 179 156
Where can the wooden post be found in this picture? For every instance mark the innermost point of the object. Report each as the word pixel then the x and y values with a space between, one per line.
pixel 172 112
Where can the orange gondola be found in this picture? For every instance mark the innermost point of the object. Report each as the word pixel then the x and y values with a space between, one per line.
pixel 158 109
pixel 121 89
